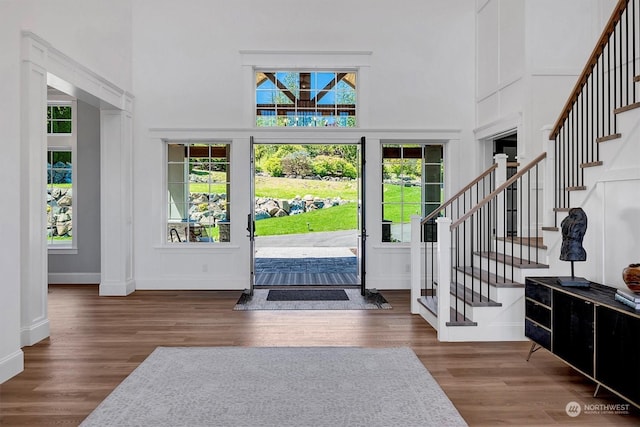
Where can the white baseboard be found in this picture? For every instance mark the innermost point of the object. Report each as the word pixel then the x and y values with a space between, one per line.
pixel 170 284
pixel 117 289
pixel 74 278
pixel 388 283
pixel 35 333
pixel 11 365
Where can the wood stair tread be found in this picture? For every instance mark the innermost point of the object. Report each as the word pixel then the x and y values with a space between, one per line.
pixel 534 242
pixel 608 137
pixel 626 108
pixel 509 260
pixel 476 299
pixel 429 302
pixel 494 280
pixel 576 188
pixel 457 319
pixel 591 164
pixel 550 229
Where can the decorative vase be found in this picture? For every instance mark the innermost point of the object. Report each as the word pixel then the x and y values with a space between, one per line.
pixel 631 276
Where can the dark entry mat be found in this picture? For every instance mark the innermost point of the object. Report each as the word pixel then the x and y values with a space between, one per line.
pixel 307 295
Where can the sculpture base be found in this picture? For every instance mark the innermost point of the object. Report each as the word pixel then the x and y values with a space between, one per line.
pixel 574 281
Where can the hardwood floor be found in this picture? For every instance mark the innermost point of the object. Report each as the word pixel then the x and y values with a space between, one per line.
pixel 97 341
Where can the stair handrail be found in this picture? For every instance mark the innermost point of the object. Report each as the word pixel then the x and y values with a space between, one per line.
pixel 464 189
pixel 593 59
pixel 495 193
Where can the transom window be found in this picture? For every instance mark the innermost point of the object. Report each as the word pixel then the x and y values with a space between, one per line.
pixel 198 186
pixel 413 184
pixel 305 98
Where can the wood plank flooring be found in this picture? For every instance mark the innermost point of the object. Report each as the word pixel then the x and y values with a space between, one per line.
pixel 97 341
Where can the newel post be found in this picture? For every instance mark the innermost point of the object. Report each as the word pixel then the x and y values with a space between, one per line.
pixel 444 276
pixel 549 190
pixel 416 262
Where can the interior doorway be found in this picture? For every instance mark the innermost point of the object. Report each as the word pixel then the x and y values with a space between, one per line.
pixel 306 222
pixel 509 145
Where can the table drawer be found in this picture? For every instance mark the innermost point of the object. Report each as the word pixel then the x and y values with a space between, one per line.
pixel 539 293
pixel 538 313
pixel 537 334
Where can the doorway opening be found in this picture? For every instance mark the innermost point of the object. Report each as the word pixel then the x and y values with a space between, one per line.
pixel 509 145
pixel 307 215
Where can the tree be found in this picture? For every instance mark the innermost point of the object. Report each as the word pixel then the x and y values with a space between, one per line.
pixel 298 163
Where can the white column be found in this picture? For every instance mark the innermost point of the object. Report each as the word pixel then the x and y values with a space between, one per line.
pixel 116 234
pixel 416 262
pixel 444 277
pixel 33 245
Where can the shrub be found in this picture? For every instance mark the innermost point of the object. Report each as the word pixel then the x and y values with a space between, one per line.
pixel 273 166
pixel 333 166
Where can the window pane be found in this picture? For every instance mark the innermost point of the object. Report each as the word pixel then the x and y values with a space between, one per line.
pixel 408 187
pixel 59 198
pixel 58 119
pixel 198 184
pixel 310 99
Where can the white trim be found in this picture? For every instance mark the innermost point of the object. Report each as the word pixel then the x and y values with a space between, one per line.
pixel 302 133
pixel 116 289
pixel 74 278
pixel 70 76
pixel 11 365
pixel 501 86
pixel 61 250
pixel 305 58
pixel 501 127
pixel 35 332
pixel 219 282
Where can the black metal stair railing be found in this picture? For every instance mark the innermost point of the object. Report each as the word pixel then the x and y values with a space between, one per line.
pixel 605 88
pixel 453 208
pixel 476 261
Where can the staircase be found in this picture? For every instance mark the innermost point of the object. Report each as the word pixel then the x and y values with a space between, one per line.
pixel 483 252
pixel 470 257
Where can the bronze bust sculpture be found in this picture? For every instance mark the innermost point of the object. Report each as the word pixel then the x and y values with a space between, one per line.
pixel 574 226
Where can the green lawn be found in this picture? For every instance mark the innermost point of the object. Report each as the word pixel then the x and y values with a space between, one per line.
pixel 394 211
pixel 343 217
pixel 288 188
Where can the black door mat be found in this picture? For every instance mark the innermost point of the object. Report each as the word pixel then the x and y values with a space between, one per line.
pixel 307 295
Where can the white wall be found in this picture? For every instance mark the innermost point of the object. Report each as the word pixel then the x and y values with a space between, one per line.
pixel 530 53
pixel 97 35
pixel 192 78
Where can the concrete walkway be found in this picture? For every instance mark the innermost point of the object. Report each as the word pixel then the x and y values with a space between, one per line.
pixel 310 245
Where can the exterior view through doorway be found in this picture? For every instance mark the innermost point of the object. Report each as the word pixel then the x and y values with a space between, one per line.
pixel 306 223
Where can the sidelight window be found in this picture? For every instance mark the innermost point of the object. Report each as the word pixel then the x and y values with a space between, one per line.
pixel 198 184
pixel 412 184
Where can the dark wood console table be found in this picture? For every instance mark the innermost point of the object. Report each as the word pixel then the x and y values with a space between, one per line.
pixel 589 330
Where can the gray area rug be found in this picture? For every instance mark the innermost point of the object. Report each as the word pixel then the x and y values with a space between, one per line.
pixel 307 386
pixel 370 301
